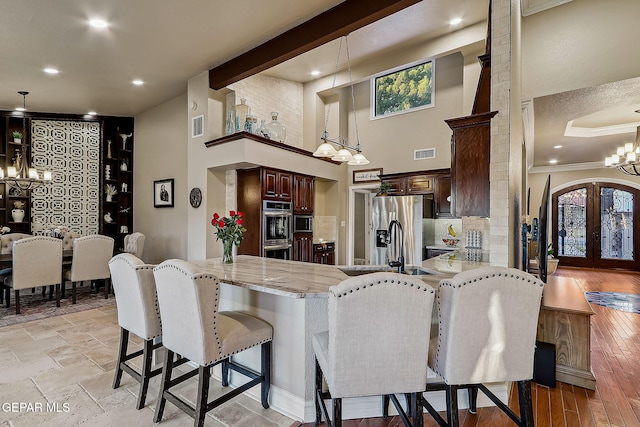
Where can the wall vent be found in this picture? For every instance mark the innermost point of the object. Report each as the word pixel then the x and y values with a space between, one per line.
pixel 197 126
pixel 426 153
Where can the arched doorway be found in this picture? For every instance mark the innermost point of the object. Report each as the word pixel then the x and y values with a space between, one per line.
pixel 595 225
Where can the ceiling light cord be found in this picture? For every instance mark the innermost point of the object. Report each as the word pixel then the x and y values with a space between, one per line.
pixel 353 97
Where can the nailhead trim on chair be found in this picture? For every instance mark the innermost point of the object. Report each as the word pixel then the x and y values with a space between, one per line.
pixel 425 288
pixel 475 279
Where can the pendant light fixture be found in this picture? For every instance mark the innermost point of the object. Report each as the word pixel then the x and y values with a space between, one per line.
pixel 627 158
pixel 20 176
pixel 346 153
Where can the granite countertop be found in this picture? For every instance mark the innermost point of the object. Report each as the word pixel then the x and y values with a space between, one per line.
pixel 308 280
pixel 443 247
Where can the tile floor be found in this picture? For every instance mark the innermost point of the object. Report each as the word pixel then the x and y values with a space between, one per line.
pixel 68 362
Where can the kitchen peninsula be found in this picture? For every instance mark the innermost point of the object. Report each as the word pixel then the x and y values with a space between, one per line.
pixel 292 297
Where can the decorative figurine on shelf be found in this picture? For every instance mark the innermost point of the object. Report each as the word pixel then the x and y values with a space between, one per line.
pixel 107 218
pixel 108 148
pixel 125 210
pixel 123 165
pixel 17 161
pixel 17 137
pixel 18 213
pixel 124 137
pixel 124 229
pixel 107 171
pixel 124 187
pixel 110 191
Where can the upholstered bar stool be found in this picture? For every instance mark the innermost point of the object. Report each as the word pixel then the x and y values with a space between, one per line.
pixel 488 319
pixel 193 327
pixel 377 343
pixel 138 312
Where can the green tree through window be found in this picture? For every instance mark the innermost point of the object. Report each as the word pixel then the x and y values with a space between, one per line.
pixel 404 90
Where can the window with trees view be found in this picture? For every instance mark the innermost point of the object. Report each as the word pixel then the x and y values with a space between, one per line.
pixel 403 90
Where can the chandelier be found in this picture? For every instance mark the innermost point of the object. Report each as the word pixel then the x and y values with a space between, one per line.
pixel 20 176
pixel 626 159
pixel 352 154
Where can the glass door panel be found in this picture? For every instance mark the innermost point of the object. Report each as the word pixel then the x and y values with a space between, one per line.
pixel 616 224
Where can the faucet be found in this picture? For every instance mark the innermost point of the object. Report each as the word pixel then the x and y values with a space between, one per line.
pixel 399 262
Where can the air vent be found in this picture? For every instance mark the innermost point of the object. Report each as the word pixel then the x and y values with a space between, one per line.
pixel 197 126
pixel 426 153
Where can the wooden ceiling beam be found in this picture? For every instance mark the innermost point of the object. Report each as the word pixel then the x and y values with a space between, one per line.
pixel 338 21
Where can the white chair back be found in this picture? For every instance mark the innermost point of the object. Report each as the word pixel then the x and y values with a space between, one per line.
pixel 374 320
pixel 134 243
pixel 135 289
pixel 488 319
pixel 6 241
pixel 37 261
pixel 91 255
pixel 188 301
pixel 67 240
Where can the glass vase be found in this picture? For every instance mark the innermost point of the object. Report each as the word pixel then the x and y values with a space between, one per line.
pixel 227 251
pixel 277 131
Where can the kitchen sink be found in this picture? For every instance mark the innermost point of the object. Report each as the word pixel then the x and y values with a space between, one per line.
pixel 359 270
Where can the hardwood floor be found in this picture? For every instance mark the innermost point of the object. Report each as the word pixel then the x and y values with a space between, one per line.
pixel 615 353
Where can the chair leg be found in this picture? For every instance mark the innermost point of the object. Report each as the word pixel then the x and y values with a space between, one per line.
pixel 416 409
pixel 58 295
pixel 337 412
pixel 318 390
pixel 73 292
pixel 526 405
pixel 164 385
pixel 146 372
pixel 122 352
pixel 385 406
pixel 265 363
pixel 473 399
pixel 7 296
pixel 204 375
pixel 452 406
pixel 225 372
pixel 106 288
pixel 17 295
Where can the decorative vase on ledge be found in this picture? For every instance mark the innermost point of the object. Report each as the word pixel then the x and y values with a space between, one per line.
pixel 17 215
pixel 227 251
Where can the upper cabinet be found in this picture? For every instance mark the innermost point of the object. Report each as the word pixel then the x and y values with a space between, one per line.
pixel 442 197
pixel 303 194
pixel 277 185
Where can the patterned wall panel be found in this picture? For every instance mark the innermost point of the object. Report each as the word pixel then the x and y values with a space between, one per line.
pixel 71 151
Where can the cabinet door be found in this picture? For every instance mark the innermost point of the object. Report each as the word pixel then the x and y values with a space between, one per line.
pixel 420 184
pixel 398 186
pixel 330 258
pixel 442 197
pixel 302 247
pixel 269 184
pixel 318 257
pixel 284 187
pixel 309 191
pixel 299 194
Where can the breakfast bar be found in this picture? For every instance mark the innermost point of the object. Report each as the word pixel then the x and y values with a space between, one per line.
pixel 292 297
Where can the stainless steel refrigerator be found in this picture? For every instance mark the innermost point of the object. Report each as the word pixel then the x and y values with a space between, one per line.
pixel 407 210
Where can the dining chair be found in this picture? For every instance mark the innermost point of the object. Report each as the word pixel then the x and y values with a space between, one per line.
pixel 37 261
pixel 67 240
pixel 90 261
pixel 487 320
pixel 138 313
pixel 193 327
pixel 377 344
pixel 6 247
pixel 134 243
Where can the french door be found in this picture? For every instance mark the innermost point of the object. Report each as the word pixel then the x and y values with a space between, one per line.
pixel 594 225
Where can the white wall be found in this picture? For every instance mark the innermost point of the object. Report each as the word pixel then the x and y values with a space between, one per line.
pixel 160 153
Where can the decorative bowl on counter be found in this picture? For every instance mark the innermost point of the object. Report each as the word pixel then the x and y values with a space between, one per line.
pixel 450 242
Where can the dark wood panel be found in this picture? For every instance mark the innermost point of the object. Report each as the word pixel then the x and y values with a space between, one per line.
pixel 338 21
pixel 250 204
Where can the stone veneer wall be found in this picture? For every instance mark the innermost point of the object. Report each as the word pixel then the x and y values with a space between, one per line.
pixel 266 94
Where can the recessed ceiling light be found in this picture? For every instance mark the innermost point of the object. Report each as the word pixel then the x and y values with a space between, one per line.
pixel 315 73
pixel 98 23
pixel 455 21
pixel 553 161
pixel 557 146
pixel 50 70
pixel 92 113
pixel 21 109
pixel 138 82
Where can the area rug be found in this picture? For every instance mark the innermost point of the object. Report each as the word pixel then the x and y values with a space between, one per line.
pixel 34 307
pixel 616 300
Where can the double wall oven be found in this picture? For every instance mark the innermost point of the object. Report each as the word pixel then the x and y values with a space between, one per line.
pixel 277 230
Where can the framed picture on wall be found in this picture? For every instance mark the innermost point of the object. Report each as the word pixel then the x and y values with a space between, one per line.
pixel 163 193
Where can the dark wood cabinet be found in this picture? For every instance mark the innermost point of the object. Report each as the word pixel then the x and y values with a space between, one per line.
pixel 442 197
pixel 303 247
pixel 324 253
pixel 303 194
pixel 470 162
pixel 13 199
pixel 276 185
pixel 397 186
pixel 420 184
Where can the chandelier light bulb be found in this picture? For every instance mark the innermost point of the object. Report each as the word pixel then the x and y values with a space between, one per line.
pixel 620 151
pixel 628 147
pixel 631 157
pixel 325 150
pixel 343 155
pixel 358 159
